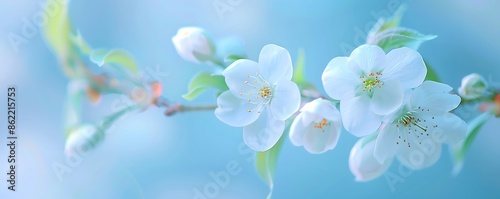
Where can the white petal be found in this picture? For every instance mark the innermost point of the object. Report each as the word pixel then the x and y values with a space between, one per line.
pixel 191 40
pixel 297 130
pixel 406 66
pixel 357 117
pixel 323 108
pixel 318 141
pixel 420 156
pixel 237 77
pixel 264 133
pixel 184 48
pixel 451 129
pixel 338 78
pixel 386 147
pixel 285 100
pixel 234 111
pixel 275 63
pixel 387 98
pixel 363 164
pixel 368 58
pixel 435 97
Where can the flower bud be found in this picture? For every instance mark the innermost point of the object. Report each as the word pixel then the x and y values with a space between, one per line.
pixel 363 163
pixel 82 139
pixel 473 86
pixel 317 127
pixel 194 44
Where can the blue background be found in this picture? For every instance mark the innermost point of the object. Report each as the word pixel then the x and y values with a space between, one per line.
pixel 147 155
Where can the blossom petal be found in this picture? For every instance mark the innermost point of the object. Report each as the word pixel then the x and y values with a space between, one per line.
pixel 387 98
pixel 420 156
pixel 368 58
pixel 435 97
pixel 238 73
pixel 234 111
pixel 357 117
pixel 323 108
pixel 275 63
pixel 285 99
pixel 451 129
pixel 298 129
pixel 338 79
pixel 406 66
pixel 385 146
pixel 264 133
pixel 363 164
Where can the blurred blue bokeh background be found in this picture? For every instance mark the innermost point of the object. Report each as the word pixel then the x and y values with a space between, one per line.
pixel 148 155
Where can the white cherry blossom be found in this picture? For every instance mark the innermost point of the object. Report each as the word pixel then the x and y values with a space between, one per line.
pixel 317 127
pixel 414 133
pixel 261 97
pixel 370 84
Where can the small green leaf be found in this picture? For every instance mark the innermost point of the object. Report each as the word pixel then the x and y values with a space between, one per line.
pixel 266 161
pixel 431 73
pixel 58 28
pixel 298 74
pixel 394 20
pixel 473 128
pixel 56 34
pixel 232 58
pixel 400 37
pixel 114 56
pixel 203 81
pixel 384 24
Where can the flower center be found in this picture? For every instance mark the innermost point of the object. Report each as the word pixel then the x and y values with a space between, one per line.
pixel 371 81
pixel 265 92
pixel 321 124
pixel 411 127
pixel 260 94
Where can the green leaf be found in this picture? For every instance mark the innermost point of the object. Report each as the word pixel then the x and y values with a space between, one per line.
pixel 58 28
pixel 266 161
pixel 473 129
pixel 232 58
pixel 394 20
pixel 298 74
pixel 400 37
pixel 203 81
pixel 115 57
pixel 56 34
pixel 384 24
pixel 431 73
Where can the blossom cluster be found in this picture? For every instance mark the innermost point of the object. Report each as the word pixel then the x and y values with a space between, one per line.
pixel 381 97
